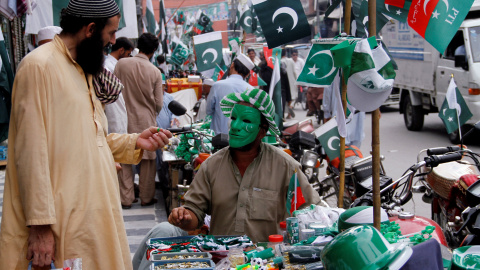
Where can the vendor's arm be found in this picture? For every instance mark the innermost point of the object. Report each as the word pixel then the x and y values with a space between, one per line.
pixel 197 202
pixel 128 148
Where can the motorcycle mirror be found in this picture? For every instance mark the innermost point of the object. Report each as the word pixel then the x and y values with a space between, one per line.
pixel 176 108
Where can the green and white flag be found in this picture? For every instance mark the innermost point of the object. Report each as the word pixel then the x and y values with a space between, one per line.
pixel 163 24
pixel 247 19
pixel 275 90
pixel 6 83
pixel 208 48
pixel 152 25
pixel 318 70
pixel 329 138
pixel 282 21
pixel 454 110
pixel 180 52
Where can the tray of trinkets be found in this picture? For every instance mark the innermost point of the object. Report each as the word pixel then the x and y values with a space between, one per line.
pixel 198 264
pixel 176 256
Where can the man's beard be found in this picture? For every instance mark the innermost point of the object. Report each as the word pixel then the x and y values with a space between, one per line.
pixel 90 54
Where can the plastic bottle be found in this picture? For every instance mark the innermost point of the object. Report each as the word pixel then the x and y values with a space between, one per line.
pixel 274 241
pixel 283 230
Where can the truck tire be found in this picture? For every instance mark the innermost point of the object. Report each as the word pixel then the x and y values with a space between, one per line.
pixel 412 115
pixel 454 137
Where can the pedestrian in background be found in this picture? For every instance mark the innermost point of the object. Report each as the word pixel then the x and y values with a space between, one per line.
pixel 144 99
pixel 61 192
pixel 116 112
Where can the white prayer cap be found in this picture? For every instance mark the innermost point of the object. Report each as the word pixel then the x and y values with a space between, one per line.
pixel 245 61
pixel 208 82
pixel 135 52
pixel 48 32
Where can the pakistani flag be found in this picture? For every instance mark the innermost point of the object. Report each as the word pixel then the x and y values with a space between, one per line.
pixel 329 138
pixel 438 21
pixel 360 13
pixel 397 10
pixel 282 21
pixel 208 48
pixel 247 20
pixel 295 197
pixel 163 24
pixel 275 90
pixel 6 83
pixel 454 109
pixel 318 70
pixel 179 53
pixel 152 25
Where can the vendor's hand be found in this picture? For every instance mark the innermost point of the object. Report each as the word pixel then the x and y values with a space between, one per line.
pixel 118 166
pixel 153 138
pixel 41 246
pixel 175 122
pixel 180 217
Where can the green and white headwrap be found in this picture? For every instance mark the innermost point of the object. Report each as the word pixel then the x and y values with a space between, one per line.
pixel 259 99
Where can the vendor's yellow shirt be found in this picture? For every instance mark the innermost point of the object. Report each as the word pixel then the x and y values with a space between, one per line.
pixel 254 204
pixel 60 168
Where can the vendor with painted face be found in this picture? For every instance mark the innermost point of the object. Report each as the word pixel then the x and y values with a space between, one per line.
pixel 244 187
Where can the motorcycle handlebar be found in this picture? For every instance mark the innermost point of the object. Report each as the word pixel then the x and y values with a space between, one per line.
pixel 435 160
pixel 182 129
pixel 442 150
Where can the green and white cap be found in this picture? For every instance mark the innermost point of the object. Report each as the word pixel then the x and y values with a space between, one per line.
pixel 371 77
pixel 360 215
pixel 245 61
pixel 259 99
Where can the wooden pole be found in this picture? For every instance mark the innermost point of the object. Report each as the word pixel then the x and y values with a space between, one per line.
pixel 372 29
pixel 341 190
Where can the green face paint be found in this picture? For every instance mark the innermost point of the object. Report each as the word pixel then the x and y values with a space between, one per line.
pixel 245 125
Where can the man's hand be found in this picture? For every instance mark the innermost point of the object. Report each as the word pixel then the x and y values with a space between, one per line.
pixel 41 246
pixel 183 218
pixel 153 138
pixel 118 166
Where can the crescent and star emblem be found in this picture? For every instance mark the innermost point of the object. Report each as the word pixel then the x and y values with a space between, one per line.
pixel 327 52
pixel 426 3
pixel 213 52
pixel 330 141
pixel 245 21
pixel 289 11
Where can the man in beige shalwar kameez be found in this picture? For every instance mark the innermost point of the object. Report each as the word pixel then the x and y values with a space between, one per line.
pixel 61 198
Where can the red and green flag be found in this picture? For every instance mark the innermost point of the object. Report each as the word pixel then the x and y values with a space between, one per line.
pixel 438 20
pixel 295 197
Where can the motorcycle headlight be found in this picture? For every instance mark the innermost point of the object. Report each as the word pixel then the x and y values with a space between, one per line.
pixel 309 159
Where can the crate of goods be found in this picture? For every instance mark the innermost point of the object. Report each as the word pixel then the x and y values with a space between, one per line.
pixel 180 256
pixel 198 264
pixel 178 84
pixel 3 152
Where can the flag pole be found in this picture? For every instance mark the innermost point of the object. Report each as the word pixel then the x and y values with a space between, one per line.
pixel 458 118
pixel 295 190
pixel 341 190
pixel 372 29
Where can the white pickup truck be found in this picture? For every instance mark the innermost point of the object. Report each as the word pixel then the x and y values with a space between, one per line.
pixel 423 73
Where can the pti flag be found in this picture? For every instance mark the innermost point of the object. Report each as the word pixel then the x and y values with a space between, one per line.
pixel 6 83
pixel 295 197
pixel 454 109
pixel 219 71
pixel 282 21
pixel 267 53
pixel 275 90
pixel 318 70
pixel 329 138
pixel 438 20
pixel 396 9
pixel 152 25
pixel 208 48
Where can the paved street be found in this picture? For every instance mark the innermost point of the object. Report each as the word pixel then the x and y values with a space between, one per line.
pixel 398 145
